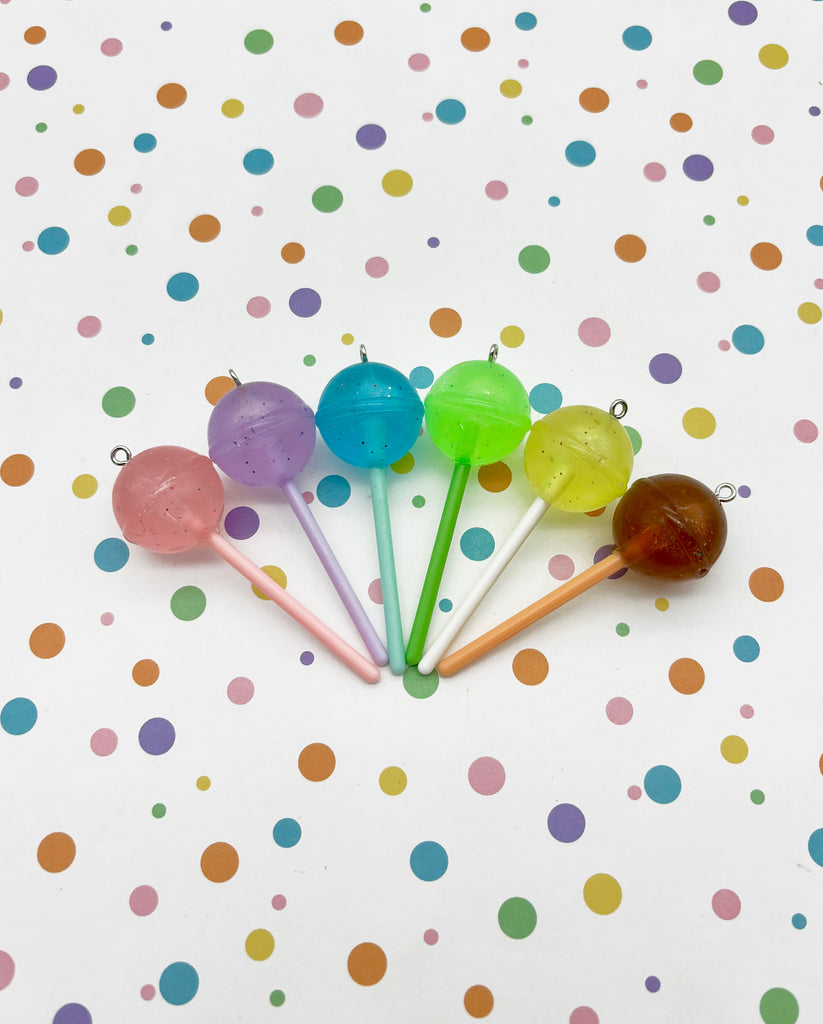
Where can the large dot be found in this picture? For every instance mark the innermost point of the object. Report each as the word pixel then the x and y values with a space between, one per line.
pixel 103 742
pixel 741 12
pixel 766 584
pixel 72 1013
pixel 304 302
pixel 393 780
pixel 258 161
pixel 370 136
pixel 348 33
pixel 636 37
pixel 779 1006
pixel 707 72
pixel 204 228
pixel 805 431
pixel 111 554
pixel 815 845
pixel 593 331
pixel 495 477
pixel 52 241
pixel 16 470
pixel 534 259
pixel 156 736
pixel 145 672
pixel 259 944
pixel 662 784
pixel 475 39
pixel 630 248
pixel 287 832
pixel 182 287
pixel 748 339
pixel 258 41
pixel 41 77
pixel 316 762
pixel 477 543
pixel 517 917
pixel 478 1001
pixel 602 894
pixel 686 675
pixel 665 368
pixel 56 852
pixel 580 153
pixel 486 776
pixel 397 183
pixel 450 111
pixel 47 640
pixel 366 963
pixel 566 823
pixel 445 322
pixel 89 162
pixel 179 983
pixel 699 423
pixel 773 56
pixel 219 862
pixel 143 900
pixel 420 686
pixel 619 710
pixel 726 904
pixel 746 648
pixel 6 969
pixel 698 167
pixel 333 491
pixel 530 667
pixel 18 716
pixel 428 861
pixel 594 100
pixel 187 603
pixel 766 256
pixel 734 749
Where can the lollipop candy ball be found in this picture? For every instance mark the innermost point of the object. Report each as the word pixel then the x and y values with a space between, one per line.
pixel 477 412
pixel 578 458
pixel 261 434
pixel 369 415
pixel 670 526
pixel 168 499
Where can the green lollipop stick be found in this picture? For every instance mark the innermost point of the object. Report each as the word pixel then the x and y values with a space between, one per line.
pixel 477 412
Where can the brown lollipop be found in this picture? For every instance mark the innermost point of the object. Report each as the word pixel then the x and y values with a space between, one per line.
pixel 669 526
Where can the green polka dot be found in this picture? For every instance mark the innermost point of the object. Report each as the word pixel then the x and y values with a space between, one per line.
pixel 708 219
pixel 425 8
pixel 707 72
pixel 118 402
pixel 418 685
pixel 517 917
pixel 779 1006
pixel 533 259
pixel 131 250
pixel 527 119
pixel 757 796
pixel 418 501
pixel 635 438
pixel 309 360
pixel 327 199
pixel 260 40
pixel 158 811
pixel 41 127
pixel 188 603
pixel 278 997
pixel 621 629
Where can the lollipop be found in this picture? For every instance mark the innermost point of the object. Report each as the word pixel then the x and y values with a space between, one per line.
pixel 669 526
pixel 369 415
pixel 577 458
pixel 170 499
pixel 262 434
pixel 476 413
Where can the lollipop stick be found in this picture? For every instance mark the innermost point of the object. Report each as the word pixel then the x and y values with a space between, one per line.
pixel 348 655
pixel 512 626
pixel 437 563
pixel 373 643
pixel 388 573
pixel 494 569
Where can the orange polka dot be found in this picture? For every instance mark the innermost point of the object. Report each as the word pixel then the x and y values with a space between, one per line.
pixel 348 33
pixel 35 34
pixel 766 584
pixel 16 470
pixel 686 675
pixel 530 667
pixel 367 963
pixel 594 100
pixel 681 122
pixel 171 95
pixel 475 39
pixel 292 252
pixel 216 388
pixel 204 228
pixel 766 256
pixel 445 322
pixel 494 478
pixel 47 640
pixel 595 512
pixel 820 764
pixel 316 762
pixel 145 672
pixel 478 1001
pixel 89 161
pixel 630 248
pixel 219 862
pixel 56 852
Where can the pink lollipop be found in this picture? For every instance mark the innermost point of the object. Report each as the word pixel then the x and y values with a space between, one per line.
pixel 170 499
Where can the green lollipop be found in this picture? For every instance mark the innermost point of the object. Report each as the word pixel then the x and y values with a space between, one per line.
pixel 476 413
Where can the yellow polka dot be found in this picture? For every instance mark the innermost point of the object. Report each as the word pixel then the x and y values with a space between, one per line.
pixel 84 486
pixel 259 944
pixel 602 894
pixel 393 780
pixel 699 423
pixel 404 465
pixel 78 108
pixel 809 312
pixel 119 215
pixel 742 200
pixel 661 604
pixel 1 316
pixel 734 749
pixel 397 183
pixel 511 88
pixel 773 56
pixel 277 574
pixel 347 339
pixel 232 108
pixel 512 337
pixel 203 783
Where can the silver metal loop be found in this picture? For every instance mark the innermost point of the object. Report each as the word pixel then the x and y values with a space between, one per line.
pixel 235 378
pixel 120 455
pixel 364 356
pixel 493 353
pixel 725 492
pixel 618 409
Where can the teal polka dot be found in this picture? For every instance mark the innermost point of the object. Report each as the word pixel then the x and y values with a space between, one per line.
pixel 429 861
pixel 636 37
pixel 525 21
pixel 816 846
pixel 18 716
pixel 545 398
pixel 450 111
pixel 747 339
pixel 333 491
pixel 179 983
pixel 111 554
pixel 662 784
pixel 477 544
pixel 287 833
pixel 421 377
pixel 182 287
pixel 746 648
pixel 258 161
pixel 52 241
pixel 580 153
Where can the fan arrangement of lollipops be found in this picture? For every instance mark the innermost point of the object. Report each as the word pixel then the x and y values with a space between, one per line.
pixel 577 459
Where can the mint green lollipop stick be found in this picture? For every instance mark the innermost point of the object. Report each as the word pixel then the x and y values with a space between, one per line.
pixel 477 412
pixel 388 573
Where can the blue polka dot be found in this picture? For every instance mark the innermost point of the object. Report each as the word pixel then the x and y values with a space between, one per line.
pixel 747 339
pixel 421 377
pixel 333 491
pixel 525 21
pixel 287 833
pixel 145 142
pixel 580 154
pixel 554 201
pixel 182 287
pixel 636 37
pixel 258 161
pixel 450 111
pixel 148 339
pixel 799 921
pixel 18 716
pixel 815 234
pixel 545 398
pixel 662 784
pixel 111 554
pixel 429 861
pixel 179 983
pixel 746 648
pixel 477 544
pixel 816 846
pixel 51 241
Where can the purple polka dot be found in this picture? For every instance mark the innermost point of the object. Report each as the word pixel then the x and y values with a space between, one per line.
pixel 698 167
pixel 304 302
pixel 72 1013
pixel 744 491
pixel 242 522
pixel 306 658
pixel 652 983
pixel 601 553
pixel 16 382
pixel 433 242
pixel 566 823
pixel 370 136
pixel 42 77
pixel 742 13
pixel 814 111
pixel 665 368
pixel 157 736
pixel 165 25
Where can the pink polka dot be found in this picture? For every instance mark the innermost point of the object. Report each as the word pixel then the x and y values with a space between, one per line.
pixel 726 904
pixel 430 936
pixel 4 80
pixel 308 497
pixel 724 345
pixel 143 900
pixel 561 567
pixel 258 307
pixel 103 742
pixel 89 326
pixel 240 690
pixel 107 618
pixel 376 266
pixel 762 134
pixel 594 332
pixel 634 792
pixel 642 83
pixel 278 901
pixel 497 190
pixel 309 104
pixel 583 1015
pixel 428 116
pixel 28 246
pixel 708 282
pixel 522 63
pixel 818 282
pixel 486 776
pixel 26 186
pixel 257 211
pixel 746 711
pixel 805 431
pixel 419 62
pixel 654 172
pixel 136 189
pixel 111 47
pixel 376 591
pixel 147 992
pixel 6 969
pixel 619 711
